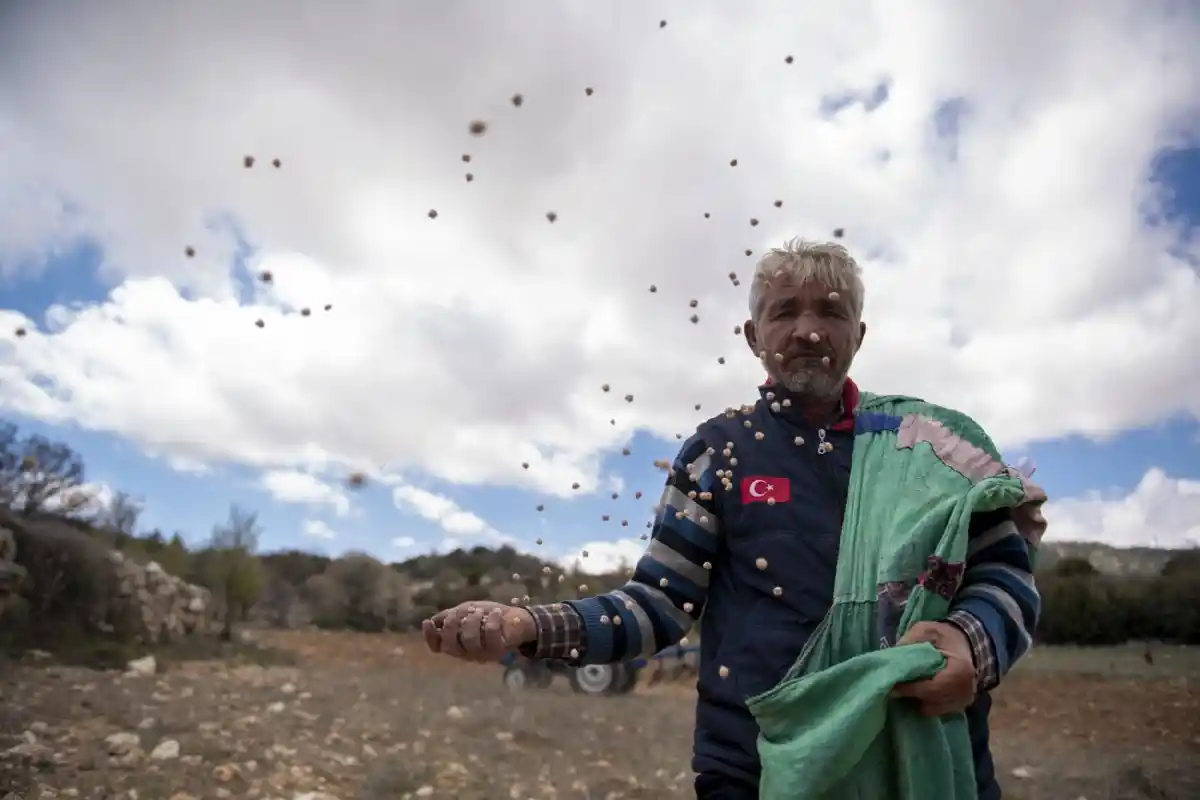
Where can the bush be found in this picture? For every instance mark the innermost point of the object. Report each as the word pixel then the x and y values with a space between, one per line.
pixel 1094 609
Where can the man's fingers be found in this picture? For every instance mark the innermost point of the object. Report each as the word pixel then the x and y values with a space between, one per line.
pixel 915 689
pixel 433 637
pixel 471 634
pixel 494 641
pixel 452 645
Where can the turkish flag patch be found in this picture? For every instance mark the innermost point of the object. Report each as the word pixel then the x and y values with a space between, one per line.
pixel 762 489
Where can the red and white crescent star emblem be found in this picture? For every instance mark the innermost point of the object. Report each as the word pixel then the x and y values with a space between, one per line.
pixel 760 489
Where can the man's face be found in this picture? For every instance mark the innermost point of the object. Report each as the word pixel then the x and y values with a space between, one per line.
pixel 790 314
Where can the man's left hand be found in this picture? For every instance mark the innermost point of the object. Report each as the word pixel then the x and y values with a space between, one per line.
pixel 952 689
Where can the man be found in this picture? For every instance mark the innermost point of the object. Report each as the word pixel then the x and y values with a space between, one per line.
pixel 759 558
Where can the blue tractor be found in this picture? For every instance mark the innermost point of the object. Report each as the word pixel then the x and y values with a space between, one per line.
pixel 673 663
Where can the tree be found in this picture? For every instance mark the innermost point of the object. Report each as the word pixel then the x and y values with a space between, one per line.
pixel 38 475
pixel 235 576
pixel 1074 567
pixel 120 516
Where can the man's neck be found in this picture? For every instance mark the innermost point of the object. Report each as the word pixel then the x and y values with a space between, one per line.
pixel 822 413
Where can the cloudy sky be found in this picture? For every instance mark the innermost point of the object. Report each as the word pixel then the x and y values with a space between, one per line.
pixel 1021 185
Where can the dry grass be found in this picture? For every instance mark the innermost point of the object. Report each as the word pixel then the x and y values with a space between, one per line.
pixel 361 716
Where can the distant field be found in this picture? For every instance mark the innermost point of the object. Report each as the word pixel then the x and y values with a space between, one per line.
pixel 1125 661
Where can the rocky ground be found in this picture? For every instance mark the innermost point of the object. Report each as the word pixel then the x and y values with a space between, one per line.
pixel 357 716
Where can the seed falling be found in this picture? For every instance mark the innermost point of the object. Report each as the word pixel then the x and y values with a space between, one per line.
pixel 662 582
pixel 779 204
pixel 574 653
pixel 628 398
pixel 588 91
pixel 753 222
pixel 516 576
pixel 477 127
pixel 265 276
pixel 356 480
pixel 551 216
pixel 723 671
pixel 695 318
pixel 259 323
pixel 541 507
pixel 583 587
pixel 276 163
pixel 653 288
pixel 574 485
pixel 524 465
pixel 687 608
pixel 625 451
pixel 737 330
pixel 779 357
pixel 839 233
pixel 433 213
pixel 615 495
pixel 697 406
pixel 189 251
pixel 693 303
pixel 20 332
pixel 707 215
pixel 788 60
pixel 329 306
pixel 720 359
pixel 470 177
pixel 539 541
pixel 304 312
pixel 637 495
pixel 248 161
pixel 662 23
pixel 749 252
pixel 733 162
pixel 604 619
pixel 604 387
pixel 760 562
pixel 517 100
pixel 707 565
pixel 466 157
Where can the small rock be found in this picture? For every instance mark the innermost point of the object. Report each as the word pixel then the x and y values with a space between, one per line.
pixel 165 750
pixel 1022 772
pixel 141 667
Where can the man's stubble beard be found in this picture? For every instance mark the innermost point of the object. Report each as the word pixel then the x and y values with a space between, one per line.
pixel 814 384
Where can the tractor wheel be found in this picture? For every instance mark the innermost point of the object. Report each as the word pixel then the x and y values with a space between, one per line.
pixel 593 678
pixel 516 678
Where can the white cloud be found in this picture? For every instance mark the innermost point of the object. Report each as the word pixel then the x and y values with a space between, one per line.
pixel 604 557
pixel 449 516
pixel 291 486
pixel 318 529
pixel 1161 511
pixel 404 542
pixel 1014 282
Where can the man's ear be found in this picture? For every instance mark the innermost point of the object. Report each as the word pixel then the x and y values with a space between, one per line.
pixel 862 334
pixel 751 335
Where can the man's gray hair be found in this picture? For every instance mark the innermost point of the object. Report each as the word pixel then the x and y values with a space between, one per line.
pixel 827 263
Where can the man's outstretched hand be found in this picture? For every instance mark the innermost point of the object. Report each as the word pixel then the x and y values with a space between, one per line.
pixel 479 631
pixel 952 689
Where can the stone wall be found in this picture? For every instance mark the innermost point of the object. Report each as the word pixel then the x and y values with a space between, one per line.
pixel 142 601
pixel 161 606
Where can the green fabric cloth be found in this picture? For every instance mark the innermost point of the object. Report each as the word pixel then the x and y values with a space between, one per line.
pixel 829 731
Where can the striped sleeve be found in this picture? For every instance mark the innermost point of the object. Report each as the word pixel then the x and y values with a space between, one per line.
pixel 670 583
pixel 997 605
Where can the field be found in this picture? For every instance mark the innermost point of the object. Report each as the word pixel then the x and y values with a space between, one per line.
pixel 321 716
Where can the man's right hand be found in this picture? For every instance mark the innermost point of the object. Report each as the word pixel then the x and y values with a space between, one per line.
pixel 480 630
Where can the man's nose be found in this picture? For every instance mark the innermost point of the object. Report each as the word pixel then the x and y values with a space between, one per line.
pixel 808 329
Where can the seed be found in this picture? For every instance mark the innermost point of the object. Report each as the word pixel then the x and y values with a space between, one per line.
pixel 550 215
pixel 628 398
pixel 259 323
pixel 799 440
pixel 777 591
pixel 541 507
pixel 517 100
pixel 723 671
pixel 693 303
pixel 189 251
pixel 469 177
pixel 834 297
pixel 720 359
pixel 477 127
pixel 779 357
pixel 653 288
pixel 433 213
pixel 697 406
pixel 788 60
pixel 248 161
pixel 662 23
pixel 524 465
pixel 825 361
pixel 707 215
pixel 695 318
pixel 588 91
pixel 760 562
pixel 687 607
pixel 753 222
pixel 329 306
pixel 574 485
pixel 466 157
pixel 749 252
pixel 276 163
pixel 839 233
pixel 604 387
pixel 814 337
pixel 662 582
pixel 758 435
pixel 779 204
pixel 733 162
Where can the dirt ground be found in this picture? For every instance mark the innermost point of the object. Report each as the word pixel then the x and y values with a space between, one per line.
pixel 361 716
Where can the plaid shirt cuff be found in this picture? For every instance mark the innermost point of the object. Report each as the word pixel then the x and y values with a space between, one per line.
pixel 560 633
pixel 987 674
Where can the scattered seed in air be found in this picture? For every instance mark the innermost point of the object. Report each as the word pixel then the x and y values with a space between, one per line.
pixel 466 157
pixel 637 495
pixel 304 312
pixel 693 303
pixel 749 252
pixel 720 359
pixel 329 306
pixel 517 100
pixel 356 480
pixel 777 591
pixel 477 127
pixel 788 60
pixel 653 288
pixel 433 213
pixel 588 91
pixel 761 563
pixel 723 671
pixel 574 485
pixel 733 162
pixel 248 161
pixel 539 541
pixel 605 387
pixel 541 507
pixel 662 23
pixel 550 215
pixel 189 251
pixel 470 177
pixel 737 330
pixel 753 222
pixel 697 406
pixel 524 465
pixel 839 233
pixel 779 204
pixel 625 451
pixel 259 323
pixel 825 361
pixel 615 495
pixel 814 337
pixel 276 163
pixel 20 332
pixel 265 276
pixel 707 215
pixel 799 440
